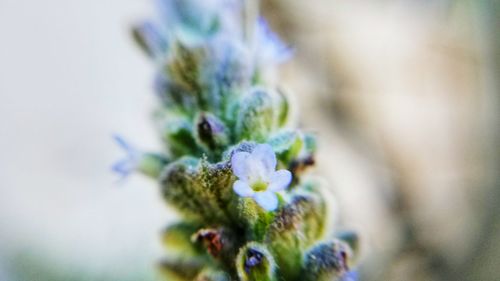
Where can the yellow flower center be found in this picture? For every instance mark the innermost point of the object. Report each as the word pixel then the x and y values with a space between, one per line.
pixel 259 186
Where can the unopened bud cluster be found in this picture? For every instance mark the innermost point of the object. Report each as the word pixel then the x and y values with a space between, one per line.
pixel 233 162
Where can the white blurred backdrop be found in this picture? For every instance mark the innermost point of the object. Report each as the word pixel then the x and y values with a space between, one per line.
pixel 70 77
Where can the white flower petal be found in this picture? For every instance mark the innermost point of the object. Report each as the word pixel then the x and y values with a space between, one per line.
pixel 264 154
pixel 256 170
pixel 266 199
pixel 280 180
pixel 239 164
pixel 242 189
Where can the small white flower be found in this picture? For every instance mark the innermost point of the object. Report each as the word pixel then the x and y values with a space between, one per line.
pixel 257 176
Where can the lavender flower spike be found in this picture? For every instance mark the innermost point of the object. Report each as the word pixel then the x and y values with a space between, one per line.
pixel 257 176
pixel 224 125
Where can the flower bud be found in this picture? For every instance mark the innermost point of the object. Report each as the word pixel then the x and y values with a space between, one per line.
pixel 255 263
pixel 326 261
pixel 184 68
pixel 173 96
pixel 220 243
pixel 352 239
pixel 149 39
pixel 198 188
pixel 256 116
pixel 211 133
pixel 296 226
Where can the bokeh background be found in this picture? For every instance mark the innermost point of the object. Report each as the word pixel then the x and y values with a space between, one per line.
pixel 403 94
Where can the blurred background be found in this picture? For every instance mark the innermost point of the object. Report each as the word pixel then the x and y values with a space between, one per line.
pixel 404 96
